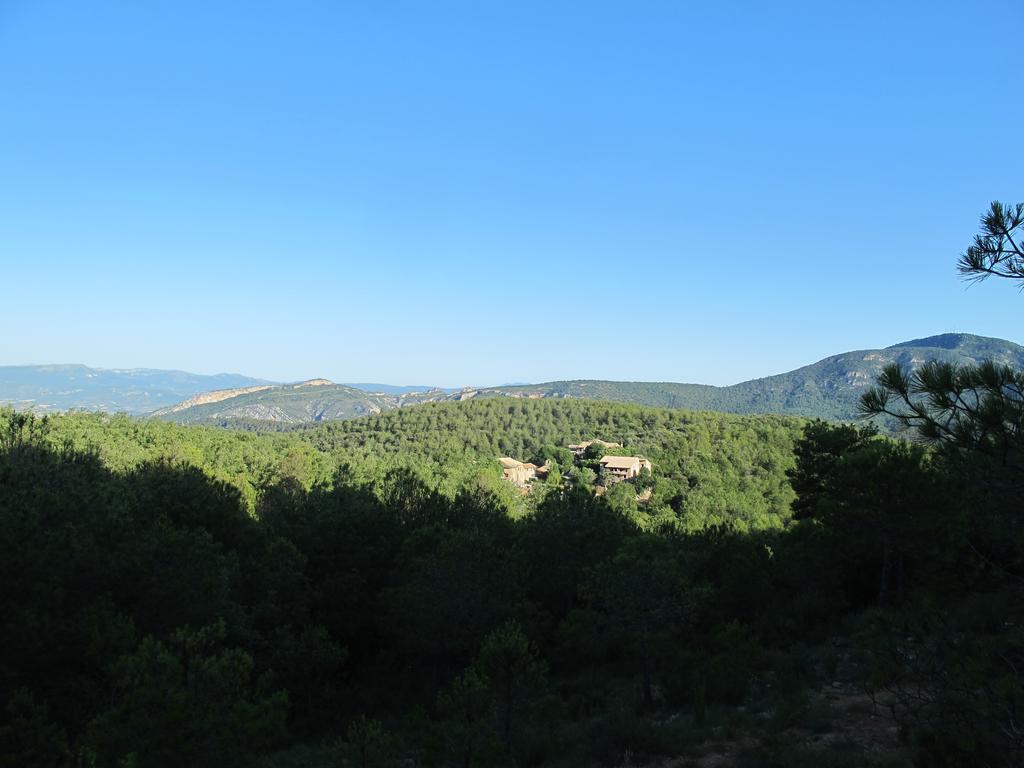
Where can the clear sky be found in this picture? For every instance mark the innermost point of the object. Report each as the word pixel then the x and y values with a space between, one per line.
pixel 475 193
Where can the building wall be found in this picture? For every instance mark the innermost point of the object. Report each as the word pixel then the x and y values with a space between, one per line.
pixel 616 475
pixel 519 475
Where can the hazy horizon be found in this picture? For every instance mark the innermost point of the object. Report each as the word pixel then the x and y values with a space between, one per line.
pixel 464 385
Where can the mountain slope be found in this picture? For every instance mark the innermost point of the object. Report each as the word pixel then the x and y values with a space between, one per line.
pixel 49 388
pixel 308 401
pixel 829 388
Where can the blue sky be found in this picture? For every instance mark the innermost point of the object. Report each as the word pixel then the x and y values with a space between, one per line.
pixel 472 193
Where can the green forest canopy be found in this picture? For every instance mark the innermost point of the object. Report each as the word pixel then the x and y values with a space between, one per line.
pixel 709 468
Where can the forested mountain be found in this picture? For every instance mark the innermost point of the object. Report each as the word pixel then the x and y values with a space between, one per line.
pixel 827 389
pixel 305 402
pixel 50 388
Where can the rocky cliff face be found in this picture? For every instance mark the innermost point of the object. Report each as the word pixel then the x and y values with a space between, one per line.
pixel 210 397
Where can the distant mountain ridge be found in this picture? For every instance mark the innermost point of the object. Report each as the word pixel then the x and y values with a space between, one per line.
pixel 829 388
pixel 51 388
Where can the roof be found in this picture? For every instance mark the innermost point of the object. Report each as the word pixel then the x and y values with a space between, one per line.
pixel 619 462
pixel 510 463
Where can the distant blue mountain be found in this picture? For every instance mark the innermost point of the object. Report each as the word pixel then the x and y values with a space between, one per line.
pixel 49 388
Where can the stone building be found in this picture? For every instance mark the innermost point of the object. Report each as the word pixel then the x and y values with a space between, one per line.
pixel 517 472
pixel 615 469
